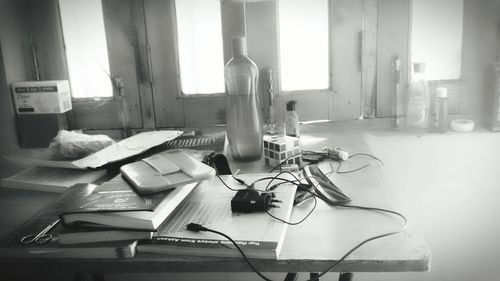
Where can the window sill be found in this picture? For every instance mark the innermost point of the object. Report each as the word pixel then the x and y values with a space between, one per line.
pixel 87 100
pixel 306 92
pixel 199 96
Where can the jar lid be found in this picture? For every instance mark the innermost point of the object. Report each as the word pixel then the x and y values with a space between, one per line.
pixel 290 106
pixel 441 92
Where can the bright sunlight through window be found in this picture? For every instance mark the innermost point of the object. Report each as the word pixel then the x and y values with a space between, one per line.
pixel 304 41
pixel 437 37
pixel 199 34
pixel 86 48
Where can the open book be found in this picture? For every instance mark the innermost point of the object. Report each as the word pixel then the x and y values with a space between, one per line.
pixel 258 234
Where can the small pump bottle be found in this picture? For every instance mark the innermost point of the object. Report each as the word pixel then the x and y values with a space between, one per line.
pixel 440 114
pixel 292 120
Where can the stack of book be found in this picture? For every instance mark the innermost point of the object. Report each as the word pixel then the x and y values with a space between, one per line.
pixel 98 221
pixel 112 220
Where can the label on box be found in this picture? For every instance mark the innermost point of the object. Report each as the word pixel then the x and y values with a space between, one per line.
pixel 35 97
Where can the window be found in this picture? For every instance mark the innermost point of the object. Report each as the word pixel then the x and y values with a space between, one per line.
pixel 304 44
pixel 86 48
pixel 199 38
pixel 437 37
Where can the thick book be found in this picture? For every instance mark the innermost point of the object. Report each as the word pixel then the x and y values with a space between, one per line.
pixel 83 235
pixel 11 246
pixel 115 204
pixel 51 179
pixel 258 234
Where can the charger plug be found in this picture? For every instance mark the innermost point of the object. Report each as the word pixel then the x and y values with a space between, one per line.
pixel 336 152
pixel 195 227
pixel 250 200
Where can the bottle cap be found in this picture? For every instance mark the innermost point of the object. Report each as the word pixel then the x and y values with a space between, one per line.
pixel 239 45
pixel 344 155
pixel 419 67
pixel 441 92
pixel 290 106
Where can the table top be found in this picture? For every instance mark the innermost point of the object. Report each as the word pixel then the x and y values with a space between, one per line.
pixel 312 246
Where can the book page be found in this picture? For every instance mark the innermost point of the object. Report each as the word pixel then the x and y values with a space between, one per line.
pixel 113 153
pixel 126 148
pixel 210 206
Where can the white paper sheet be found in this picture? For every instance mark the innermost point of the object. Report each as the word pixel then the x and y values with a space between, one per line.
pixel 115 152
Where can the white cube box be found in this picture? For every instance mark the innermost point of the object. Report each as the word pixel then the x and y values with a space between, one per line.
pixel 280 148
pixel 36 97
pixel 273 162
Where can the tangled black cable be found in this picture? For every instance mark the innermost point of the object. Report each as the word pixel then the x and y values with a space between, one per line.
pixel 338 171
pixel 197 227
pixel 318 156
pixel 315 196
pixel 284 180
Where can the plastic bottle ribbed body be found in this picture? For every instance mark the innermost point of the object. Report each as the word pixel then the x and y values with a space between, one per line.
pixel 244 121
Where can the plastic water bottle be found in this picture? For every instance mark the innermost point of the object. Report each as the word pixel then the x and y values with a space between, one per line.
pixel 244 121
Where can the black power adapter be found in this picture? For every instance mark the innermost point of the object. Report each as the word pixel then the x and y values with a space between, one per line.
pixel 251 200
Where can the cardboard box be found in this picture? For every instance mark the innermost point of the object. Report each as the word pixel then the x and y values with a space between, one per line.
pixel 35 97
pixel 38 130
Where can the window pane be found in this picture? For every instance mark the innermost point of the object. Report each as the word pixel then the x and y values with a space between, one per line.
pixel 86 48
pixel 304 41
pixel 199 34
pixel 437 37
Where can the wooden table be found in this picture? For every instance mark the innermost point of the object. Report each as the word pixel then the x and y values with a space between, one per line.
pixel 309 247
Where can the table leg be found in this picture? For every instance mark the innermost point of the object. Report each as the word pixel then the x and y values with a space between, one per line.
pixel 314 276
pixel 346 276
pixel 291 276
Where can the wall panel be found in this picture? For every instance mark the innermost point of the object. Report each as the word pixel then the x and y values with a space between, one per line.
pixel 160 26
pixel 346 50
pixel 15 65
pixel 393 41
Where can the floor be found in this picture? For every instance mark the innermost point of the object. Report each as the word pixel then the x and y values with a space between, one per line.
pixel 450 185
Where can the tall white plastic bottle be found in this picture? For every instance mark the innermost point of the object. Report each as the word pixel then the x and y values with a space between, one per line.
pixel 418 99
pixel 440 111
pixel 292 120
pixel 244 121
